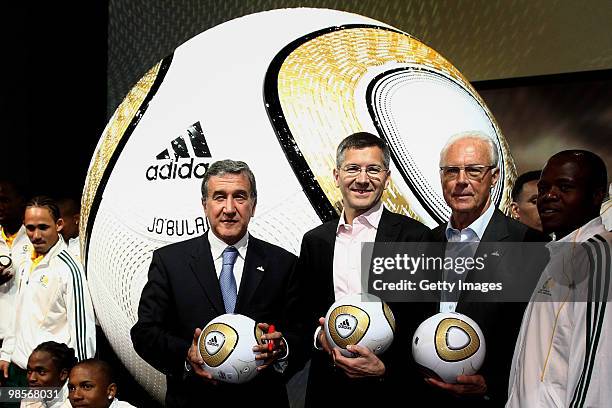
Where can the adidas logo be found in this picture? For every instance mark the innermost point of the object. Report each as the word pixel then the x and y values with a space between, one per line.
pixel 213 341
pixel 345 325
pixel 181 156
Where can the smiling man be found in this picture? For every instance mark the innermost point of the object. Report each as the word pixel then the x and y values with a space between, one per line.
pixel 562 356
pixel 53 301
pixel 227 270
pixel 468 172
pixel 48 366
pixel 330 257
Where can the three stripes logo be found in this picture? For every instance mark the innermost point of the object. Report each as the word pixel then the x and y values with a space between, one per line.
pixel 185 157
pixel 344 325
pixel 213 342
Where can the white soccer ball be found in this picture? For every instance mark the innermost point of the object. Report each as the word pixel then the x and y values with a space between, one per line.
pixel 226 346
pixel 449 345
pixel 361 319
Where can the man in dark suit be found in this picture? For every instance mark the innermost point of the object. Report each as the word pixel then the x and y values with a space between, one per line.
pixel 226 270
pixel 469 171
pixel 330 257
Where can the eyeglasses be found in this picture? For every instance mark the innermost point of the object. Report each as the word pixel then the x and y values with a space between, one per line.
pixel 373 172
pixel 473 172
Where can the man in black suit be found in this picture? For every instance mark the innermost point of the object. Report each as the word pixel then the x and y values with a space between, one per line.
pixel 194 281
pixel 330 257
pixel 469 171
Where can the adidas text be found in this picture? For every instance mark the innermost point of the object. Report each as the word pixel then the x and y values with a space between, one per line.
pixel 173 170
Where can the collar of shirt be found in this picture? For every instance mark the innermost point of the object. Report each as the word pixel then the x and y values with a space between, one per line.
pixel 217 246
pixel 474 231
pixel 8 238
pixel 582 234
pixel 370 218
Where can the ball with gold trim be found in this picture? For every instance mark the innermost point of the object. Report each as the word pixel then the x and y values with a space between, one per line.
pixel 226 346
pixel 448 345
pixel 361 319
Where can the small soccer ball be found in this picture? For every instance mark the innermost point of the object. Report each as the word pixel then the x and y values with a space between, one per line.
pixel 361 319
pixel 226 346
pixel 448 345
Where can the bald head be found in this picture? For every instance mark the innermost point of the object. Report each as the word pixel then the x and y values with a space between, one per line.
pixel 571 190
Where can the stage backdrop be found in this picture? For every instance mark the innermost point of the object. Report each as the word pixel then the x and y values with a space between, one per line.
pixel 279 90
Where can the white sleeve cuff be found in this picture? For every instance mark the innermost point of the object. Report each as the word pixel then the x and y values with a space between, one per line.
pixel 315 343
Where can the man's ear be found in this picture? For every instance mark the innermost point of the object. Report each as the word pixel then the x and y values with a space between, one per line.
pixel 495 176
pixel 63 375
pixel 204 204
pixel 59 224
pixel 111 391
pixel 337 178
pixel 514 211
pixel 388 180
pixel 598 197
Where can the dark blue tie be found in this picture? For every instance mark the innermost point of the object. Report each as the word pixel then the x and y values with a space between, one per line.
pixel 227 281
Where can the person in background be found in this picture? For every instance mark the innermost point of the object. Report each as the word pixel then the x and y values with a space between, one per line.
pixel 91 385
pixel 15 247
pixel 48 366
pixel 70 212
pixel 524 199
pixel 53 301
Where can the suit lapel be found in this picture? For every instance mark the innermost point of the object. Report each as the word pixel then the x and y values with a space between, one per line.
pixel 327 250
pixel 388 228
pixel 203 268
pixel 254 268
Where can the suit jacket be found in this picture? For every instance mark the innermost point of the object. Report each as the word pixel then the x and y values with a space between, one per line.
pixel 316 266
pixel 183 293
pixel 500 322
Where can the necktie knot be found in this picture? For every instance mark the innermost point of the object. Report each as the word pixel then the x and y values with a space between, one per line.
pixel 229 255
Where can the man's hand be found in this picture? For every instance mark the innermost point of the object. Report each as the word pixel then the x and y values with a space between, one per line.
pixel 323 339
pixel 4 371
pixel 364 364
pixel 467 385
pixel 6 274
pixel 279 348
pixel 193 358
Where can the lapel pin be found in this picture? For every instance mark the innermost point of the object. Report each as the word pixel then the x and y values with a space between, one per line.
pixel 495 253
pixel 260 268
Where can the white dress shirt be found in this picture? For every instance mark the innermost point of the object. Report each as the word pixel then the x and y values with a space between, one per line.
pixel 216 249
pixel 347 250
pixel 472 233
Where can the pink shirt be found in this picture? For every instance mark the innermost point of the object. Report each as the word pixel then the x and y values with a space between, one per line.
pixel 347 250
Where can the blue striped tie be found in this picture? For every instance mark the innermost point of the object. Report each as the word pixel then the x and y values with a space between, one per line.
pixel 227 279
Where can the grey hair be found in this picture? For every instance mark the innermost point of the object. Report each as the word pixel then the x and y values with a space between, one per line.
pixel 361 140
pixel 472 134
pixel 222 167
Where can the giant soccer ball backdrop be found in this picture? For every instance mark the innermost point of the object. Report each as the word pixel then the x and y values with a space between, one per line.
pixel 226 346
pixel 279 90
pixel 449 345
pixel 361 319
